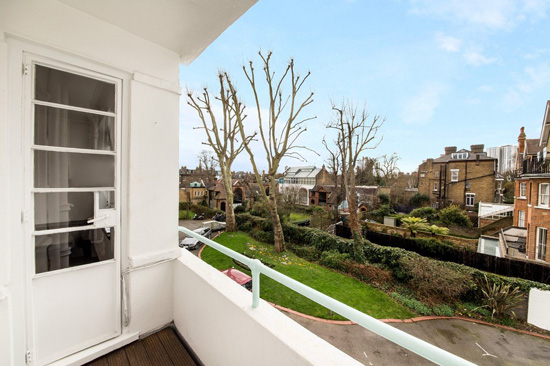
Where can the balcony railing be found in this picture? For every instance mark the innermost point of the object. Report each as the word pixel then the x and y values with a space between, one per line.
pixel 416 345
pixel 535 166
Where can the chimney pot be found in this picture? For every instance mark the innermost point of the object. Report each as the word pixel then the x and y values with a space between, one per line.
pixel 450 149
pixel 477 148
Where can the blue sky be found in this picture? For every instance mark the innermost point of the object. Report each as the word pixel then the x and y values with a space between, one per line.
pixel 443 73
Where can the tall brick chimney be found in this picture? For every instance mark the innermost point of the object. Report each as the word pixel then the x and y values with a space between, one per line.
pixel 450 149
pixel 476 149
pixel 521 140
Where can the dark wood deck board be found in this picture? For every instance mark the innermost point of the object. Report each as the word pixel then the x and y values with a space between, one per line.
pixel 175 350
pixel 117 358
pixel 156 350
pixel 137 355
pixel 161 348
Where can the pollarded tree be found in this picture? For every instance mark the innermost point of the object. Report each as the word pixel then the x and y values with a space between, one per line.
pixel 278 130
pixel 356 134
pixel 223 136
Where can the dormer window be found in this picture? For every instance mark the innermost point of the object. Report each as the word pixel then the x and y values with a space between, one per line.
pixel 459 156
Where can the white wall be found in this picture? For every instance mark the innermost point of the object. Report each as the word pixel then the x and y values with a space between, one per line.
pixel 538 312
pixel 216 318
pixel 149 154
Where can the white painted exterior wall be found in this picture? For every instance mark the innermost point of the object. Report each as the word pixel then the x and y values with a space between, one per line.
pixel 149 156
pixel 221 326
pixel 537 312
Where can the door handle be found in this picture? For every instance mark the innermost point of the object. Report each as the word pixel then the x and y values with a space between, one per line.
pixel 94 219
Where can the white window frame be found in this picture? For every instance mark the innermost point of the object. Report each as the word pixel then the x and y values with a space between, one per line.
pixel 521 218
pixel 435 186
pixel 454 175
pixel 542 240
pixel 544 198
pixel 471 196
pixel 522 190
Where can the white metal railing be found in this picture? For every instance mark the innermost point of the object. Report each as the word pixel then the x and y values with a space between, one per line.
pixel 416 345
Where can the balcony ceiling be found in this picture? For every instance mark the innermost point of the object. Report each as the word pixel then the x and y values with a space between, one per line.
pixel 186 27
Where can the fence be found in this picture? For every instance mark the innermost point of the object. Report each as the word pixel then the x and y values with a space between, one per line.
pixel 502 266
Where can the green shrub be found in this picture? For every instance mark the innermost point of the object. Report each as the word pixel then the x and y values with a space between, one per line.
pixel 413 304
pixel 443 310
pixel 435 279
pixel 428 213
pixel 454 215
pixel 384 210
pixel 384 199
pixel 419 200
pixel 307 252
pixel 414 224
pixel 239 209
pixel 260 209
pixel 499 298
pixel 334 259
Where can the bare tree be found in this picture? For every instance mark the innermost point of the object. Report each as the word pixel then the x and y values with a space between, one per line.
pixel 222 136
pixel 207 166
pixel 278 133
pixel 356 134
pixel 334 162
pixel 387 167
pixel 290 197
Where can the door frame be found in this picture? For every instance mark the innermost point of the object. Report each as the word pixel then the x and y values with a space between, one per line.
pixel 24 54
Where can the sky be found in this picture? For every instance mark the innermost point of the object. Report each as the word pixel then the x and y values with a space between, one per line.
pixel 441 73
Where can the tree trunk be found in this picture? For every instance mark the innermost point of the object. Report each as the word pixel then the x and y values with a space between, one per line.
pixel 352 206
pixel 278 236
pixel 230 223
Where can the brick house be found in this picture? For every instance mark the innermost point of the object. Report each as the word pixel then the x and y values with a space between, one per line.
pixel 464 178
pixel 532 191
pixel 194 192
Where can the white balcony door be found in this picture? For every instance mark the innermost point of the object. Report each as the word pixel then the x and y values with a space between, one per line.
pixel 73 135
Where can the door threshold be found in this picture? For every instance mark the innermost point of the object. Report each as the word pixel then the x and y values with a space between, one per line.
pixel 90 354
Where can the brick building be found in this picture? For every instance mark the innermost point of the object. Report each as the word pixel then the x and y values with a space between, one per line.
pixel 304 179
pixel 532 191
pixel 463 178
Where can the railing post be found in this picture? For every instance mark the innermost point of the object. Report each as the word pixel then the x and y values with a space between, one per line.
pixel 255 266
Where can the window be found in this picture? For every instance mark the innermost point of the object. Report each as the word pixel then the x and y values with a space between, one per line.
pixel 470 199
pixel 435 186
pixel 522 189
pixel 459 156
pixel 454 175
pixel 521 218
pixel 436 174
pixel 542 234
pixel 543 194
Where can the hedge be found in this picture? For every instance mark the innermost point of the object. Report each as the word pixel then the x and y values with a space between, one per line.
pixel 311 243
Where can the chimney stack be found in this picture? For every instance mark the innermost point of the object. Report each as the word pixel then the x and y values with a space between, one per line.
pixel 450 149
pixel 521 140
pixel 476 149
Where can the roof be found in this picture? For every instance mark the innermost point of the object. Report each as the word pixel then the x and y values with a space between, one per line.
pixel 302 172
pixel 185 27
pixel 471 157
pixel 532 147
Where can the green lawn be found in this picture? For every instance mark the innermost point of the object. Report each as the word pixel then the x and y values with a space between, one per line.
pixel 298 216
pixel 183 215
pixel 343 288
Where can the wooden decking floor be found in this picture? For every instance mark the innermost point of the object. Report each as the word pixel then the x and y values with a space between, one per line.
pixel 161 348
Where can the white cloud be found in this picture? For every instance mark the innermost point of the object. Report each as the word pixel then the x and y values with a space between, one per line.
pixel 485 88
pixel 447 43
pixel 477 59
pixel 491 14
pixel 420 108
pixel 535 78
